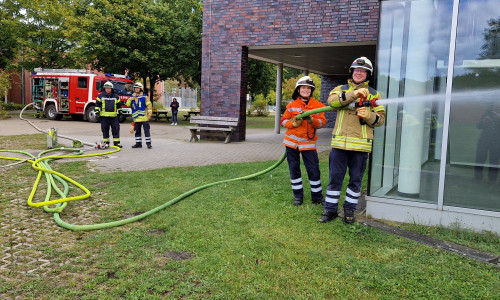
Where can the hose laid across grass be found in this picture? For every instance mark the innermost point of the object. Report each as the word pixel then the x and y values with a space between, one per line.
pixel 41 164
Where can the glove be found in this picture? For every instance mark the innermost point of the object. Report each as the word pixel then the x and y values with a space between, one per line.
pixel 361 93
pixel 296 123
pixel 364 113
pixel 132 128
pixel 309 119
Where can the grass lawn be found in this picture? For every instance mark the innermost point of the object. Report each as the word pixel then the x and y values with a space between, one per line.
pixel 241 240
pixel 260 122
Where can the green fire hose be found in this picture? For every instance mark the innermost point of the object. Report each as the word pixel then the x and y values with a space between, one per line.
pixel 42 165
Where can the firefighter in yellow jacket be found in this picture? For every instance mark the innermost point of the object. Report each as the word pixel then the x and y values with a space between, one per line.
pixel 351 138
pixel 301 138
pixel 142 110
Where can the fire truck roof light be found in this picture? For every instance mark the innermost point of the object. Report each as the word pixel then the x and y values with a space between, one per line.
pixel 116 75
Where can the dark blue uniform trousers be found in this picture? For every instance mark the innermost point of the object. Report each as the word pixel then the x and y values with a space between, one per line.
pixel 114 123
pixel 339 161
pixel 311 163
pixel 138 132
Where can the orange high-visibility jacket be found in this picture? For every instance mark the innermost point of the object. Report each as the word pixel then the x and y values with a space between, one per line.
pixel 303 137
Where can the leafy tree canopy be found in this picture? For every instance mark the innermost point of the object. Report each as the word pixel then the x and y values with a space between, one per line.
pixel 155 40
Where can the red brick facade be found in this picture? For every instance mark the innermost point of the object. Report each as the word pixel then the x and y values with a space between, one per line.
pixel 229 27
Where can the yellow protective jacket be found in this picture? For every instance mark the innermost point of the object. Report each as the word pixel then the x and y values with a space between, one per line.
pixel 142 109
pixel 349 133
pixel 303 137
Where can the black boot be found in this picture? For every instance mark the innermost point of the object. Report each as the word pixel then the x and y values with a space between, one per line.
pixel 319 201
pixel 349 216
pixel 298 201
pixel 328 216
pixel 149 145
pixel 137 146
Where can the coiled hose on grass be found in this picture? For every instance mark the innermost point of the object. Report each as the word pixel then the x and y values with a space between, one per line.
pixel 41 164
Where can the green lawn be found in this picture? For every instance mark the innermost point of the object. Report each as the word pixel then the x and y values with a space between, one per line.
pixel 240 240
pixel 260 122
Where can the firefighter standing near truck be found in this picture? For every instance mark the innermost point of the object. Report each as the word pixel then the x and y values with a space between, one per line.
pixel 108 107
pixel 352 138
pixel 142 110
pixel 301 138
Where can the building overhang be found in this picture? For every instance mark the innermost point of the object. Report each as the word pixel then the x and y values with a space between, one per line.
pixel 322 59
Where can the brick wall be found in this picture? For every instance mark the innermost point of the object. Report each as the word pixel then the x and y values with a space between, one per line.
pixel 230 26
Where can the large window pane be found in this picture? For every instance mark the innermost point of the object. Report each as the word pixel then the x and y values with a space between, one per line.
pixel 474 136
pixel 412 52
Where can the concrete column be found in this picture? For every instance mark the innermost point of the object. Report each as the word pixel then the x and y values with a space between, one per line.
pixel 279 81
pixel 412 133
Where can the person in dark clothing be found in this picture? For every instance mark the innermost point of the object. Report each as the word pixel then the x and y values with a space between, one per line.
pixel 488 144
pixel 108 107
pixel 175 109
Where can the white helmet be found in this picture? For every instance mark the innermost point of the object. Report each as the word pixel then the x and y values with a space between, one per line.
pixel 108 85
pixel 362 63
pixel 138 85
pixel 305 80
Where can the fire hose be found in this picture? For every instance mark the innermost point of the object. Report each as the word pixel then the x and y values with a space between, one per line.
pixel 41 164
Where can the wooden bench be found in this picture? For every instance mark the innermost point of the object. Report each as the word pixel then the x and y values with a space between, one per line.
pixel 212 126
pixel 157 114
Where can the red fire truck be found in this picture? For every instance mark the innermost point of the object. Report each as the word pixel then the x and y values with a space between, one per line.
pixel 70 92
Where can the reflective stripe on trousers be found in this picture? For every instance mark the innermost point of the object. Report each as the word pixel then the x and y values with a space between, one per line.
pixel 311 162
pixel 339 161
pixel 138 133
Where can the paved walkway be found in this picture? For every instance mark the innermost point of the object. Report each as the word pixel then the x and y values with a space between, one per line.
pixel 171 146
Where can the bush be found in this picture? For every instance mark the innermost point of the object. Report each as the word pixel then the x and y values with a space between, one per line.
pixel 284 103
pixel 260 108
pixel 11 106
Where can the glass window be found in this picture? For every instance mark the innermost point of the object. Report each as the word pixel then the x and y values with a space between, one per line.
pixel 413 48
pixel 474 136
pixel 82 82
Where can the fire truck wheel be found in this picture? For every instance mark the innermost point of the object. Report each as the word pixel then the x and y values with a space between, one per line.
pixel 91 115
pixel 122 118
pixel 51 113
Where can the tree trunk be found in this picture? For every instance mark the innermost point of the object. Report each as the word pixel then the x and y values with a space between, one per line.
pixel 151 89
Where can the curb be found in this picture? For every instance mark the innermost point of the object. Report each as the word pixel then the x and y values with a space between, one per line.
pixel 484 257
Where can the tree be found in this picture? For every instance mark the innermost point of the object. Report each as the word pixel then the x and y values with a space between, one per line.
pixel 261 78
pixel 151 40
pixel 491 44
pixel 37 27
pixel 8 38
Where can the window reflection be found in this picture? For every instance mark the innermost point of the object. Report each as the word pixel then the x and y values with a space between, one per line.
pixel 472 172
pixel 411 55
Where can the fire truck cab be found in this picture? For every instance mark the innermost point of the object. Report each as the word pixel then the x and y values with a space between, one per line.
pixel 71 92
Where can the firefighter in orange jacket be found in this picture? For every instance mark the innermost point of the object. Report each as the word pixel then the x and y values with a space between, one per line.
pixel 301 138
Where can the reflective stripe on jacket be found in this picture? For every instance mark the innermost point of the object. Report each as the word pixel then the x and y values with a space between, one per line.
pixel 303 137
pixel 108 105
pixel 348 133
pixel 141 108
